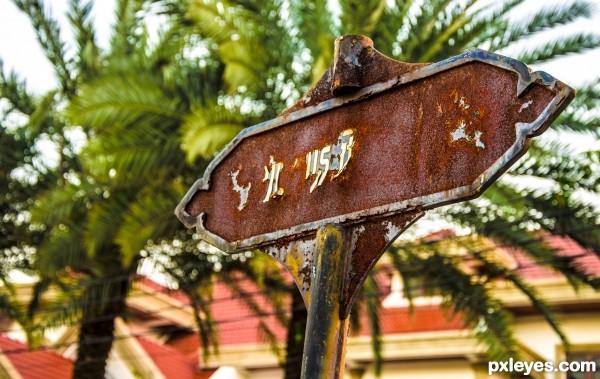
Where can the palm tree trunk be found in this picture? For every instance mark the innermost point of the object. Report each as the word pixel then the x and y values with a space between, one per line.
pixel 295 337
pixel 96 332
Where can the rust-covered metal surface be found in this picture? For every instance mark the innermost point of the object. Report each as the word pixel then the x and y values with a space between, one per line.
pixel 327 328
pixel 372 146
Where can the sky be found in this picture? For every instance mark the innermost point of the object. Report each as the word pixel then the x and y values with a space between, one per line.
pixel 20 52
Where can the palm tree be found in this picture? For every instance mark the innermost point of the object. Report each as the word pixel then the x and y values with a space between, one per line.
pixel 119 192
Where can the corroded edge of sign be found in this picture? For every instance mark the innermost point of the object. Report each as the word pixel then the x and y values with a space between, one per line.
pixel 526 78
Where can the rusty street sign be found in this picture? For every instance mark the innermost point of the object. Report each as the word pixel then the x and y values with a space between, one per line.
pixel 372 146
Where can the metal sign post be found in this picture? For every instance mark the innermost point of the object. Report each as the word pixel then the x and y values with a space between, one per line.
pixel 327 326
pixel 326 186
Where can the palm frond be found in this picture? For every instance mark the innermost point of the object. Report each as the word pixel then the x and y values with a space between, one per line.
pixel 420 29
pixel 255 307
pixel 88 53
pixel 48 35
pixel 249 51
pixel 532 294
pixel 130 155
pixel 241 67
pixel 41 119
pixel 204 321
pixel 267 274
pixel 572 44
pixel 579 115
pixel 394 19
pixel 455 19
pixel 148 217
pixel 172 41
pixel 61 205
pixel 562 215
pixel 64 250
pixel 542 20
pixel 497 223
pixel 587 99
pixel 312 22
pixel 104 219
pixel 574 122
pixel 487 317
pixel 211 20
pixel 61 308
pixel 122 100
pixel 361 17
pixel 486 26
pixel 557 162
pixel 14 90
pixel 128 29
pixel 207 130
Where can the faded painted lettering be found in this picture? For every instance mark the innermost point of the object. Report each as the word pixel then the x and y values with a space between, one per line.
pixel 333 157
pixel 242 190
pixel 272 176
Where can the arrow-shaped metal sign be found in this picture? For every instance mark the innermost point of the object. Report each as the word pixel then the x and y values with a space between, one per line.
pixel 371 147
pixel 420 137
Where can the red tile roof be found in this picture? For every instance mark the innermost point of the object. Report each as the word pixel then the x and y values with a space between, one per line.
pixel 35 364
pixel 427 318
pixel 188 345
pixel 171 362
pixel 587 260
pixel 237 324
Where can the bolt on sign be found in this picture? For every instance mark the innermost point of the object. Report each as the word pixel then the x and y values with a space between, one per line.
pixel 371 147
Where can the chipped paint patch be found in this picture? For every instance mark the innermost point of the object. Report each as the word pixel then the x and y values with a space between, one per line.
pixel 460 133
pixel 242 190
pixel 462 102
pixel 297 257
pixel 525 106
pixel 392 231
pixel 477 138
pixel 356 233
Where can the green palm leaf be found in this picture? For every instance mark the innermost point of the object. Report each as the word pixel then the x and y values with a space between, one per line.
pixel 207 130
pixel 148 217
pixel 573 44
pixel 123 99
pixel 543 20
pixel 103 220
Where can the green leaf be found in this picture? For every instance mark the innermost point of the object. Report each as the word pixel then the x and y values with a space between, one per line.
pixel 103 220
pixel 148 217
pixel 123 99
pixel 207 130
pixel 361 17
pixel 573 44
pixel 64 250
pixel 544 19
